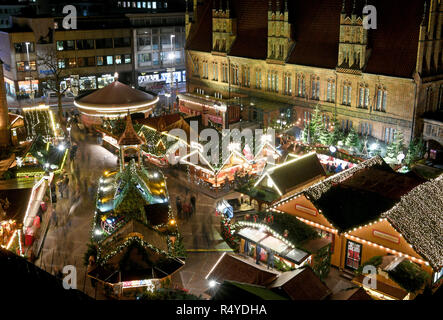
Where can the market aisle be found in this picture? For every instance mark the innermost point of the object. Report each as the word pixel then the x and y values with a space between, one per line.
pixel 66 243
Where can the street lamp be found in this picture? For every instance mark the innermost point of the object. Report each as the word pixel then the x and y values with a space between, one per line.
pixel 31 92
pixel 172 57
pixel 168 95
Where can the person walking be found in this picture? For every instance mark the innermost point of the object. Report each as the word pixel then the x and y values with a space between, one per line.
pixel 257 254
pixel 270 259
pixel 66 183
pixel 193 203
pixel 54 219
pixel 178 204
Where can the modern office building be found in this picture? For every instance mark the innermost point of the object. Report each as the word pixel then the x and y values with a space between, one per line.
pixel 143 48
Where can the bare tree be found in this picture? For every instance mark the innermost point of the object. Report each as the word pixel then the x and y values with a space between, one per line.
pixel 56 74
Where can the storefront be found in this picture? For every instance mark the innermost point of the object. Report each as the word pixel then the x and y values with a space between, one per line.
pixel 146 79
pixel 24 87
pixel 10 87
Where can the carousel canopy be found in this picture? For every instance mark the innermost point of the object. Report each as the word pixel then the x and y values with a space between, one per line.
pixel 115 99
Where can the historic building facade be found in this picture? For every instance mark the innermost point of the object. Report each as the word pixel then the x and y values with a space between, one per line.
pixel 282 58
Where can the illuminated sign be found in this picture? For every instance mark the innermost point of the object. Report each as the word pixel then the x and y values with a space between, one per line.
pixel 139 283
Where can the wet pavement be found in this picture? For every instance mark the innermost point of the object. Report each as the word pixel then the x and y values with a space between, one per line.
pixel 66 242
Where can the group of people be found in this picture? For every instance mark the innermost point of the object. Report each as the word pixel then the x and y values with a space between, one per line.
pixel 332 167
pixel 185 209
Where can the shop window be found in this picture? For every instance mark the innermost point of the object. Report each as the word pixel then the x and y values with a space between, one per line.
pixel 99 61
pixel 353 254
pixel 109 60
pixel 87 83
pixel 127 58
pixel 118 59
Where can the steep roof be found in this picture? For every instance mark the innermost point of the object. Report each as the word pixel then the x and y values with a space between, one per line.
pixel 23 274
pixel 129 136
pixel 243 291
pixel 295 172
pixel 315 29
pixel 372 186
pixel 300 284
pixel 233 268
pixel 418 217
pixel 116 94
pixel 18 201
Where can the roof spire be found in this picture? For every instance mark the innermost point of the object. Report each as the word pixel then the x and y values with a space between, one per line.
pixel 353 8
pixel 286 5
pixel 423 21
pixel 270 5
pixel 278 9
pixel 227 5
pixel 343 10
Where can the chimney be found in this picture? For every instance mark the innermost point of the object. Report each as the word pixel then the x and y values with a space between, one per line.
pixel 4 116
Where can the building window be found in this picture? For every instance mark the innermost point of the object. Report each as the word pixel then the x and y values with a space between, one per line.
pixel 215 71
pixel 61 64
pixel 246 77
pixel 330 94
pixel 86 62
pixel 85 44
pixel 224 72
pixel 144 59
pixel 71 63
pixel 389 135
pixel 273 81
pixel 347 94
pixel 103 43
pixel 205 69
pixel 26 66
pixel 315 88
pixel 122 42
pixel 288 84
pixel 301 86
pixel 307 117
pixel 440 98
pixel 381 99
pixel 365 129
pixel 235 80
pixel 258 83
pixel 363 97
pixel 65 45
pixel 21 47
pixel 195 67
pixel 346 125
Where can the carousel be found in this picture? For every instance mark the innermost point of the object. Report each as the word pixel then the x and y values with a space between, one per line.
pixel 114 101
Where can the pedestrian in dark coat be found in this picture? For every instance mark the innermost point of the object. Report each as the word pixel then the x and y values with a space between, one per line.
pixel 178 203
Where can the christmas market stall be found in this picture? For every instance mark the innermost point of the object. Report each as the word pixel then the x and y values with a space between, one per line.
pixel 13 203
pixel 386 222
pixel 40 121
pixel 280 180
pixel 135 236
